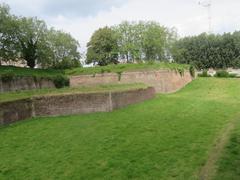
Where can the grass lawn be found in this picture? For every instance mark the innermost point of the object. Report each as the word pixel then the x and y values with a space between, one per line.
pixel 229 163
pixel 10 96
pixel 125 68
pixel 19 71
pixel 168 137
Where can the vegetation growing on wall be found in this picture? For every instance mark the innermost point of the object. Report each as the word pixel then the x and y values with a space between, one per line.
pixel 126 68
pixel 8 73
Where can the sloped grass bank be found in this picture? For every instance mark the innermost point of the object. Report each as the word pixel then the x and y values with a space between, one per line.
pixel 120 68
pixel 229 163
pixel 168 137
pixel 11 96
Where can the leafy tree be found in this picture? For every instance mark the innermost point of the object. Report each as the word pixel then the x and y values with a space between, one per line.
pixel 209 51
pixel 29 39
pixel 154 41
pixel 9 49
pixel 143 40
pixel 62 50
pixel 31 32
pixel 102 48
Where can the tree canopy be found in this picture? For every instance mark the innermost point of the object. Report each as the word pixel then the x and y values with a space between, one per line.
pixel 30 39
pixel 209 51
pixel 102 48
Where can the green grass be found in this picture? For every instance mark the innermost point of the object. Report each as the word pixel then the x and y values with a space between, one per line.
pixel 10 96
pixel 19 71
pixel 126 68
pixel 168 137
pixel 229 163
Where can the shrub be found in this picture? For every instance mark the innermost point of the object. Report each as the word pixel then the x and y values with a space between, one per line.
pixel 119 75
pixel 204 74
pixel 192 71
pixel 181 71
pixel 61 81
pixel 7 77
pixel 222 74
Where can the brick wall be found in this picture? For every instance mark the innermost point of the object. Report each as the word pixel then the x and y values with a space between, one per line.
pixel 71 104
pixel 25 83
pixel 164 81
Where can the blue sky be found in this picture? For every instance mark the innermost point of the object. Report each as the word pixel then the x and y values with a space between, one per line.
pixel 82 17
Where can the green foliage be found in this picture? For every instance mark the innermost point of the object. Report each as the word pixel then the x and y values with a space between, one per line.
pixel 18 71
pixel 29 39
pixel 61 81
pixel 204 74
pixel 7 77
pixel 181 71
pixel 168 137
pixel 63 50
pixel 102 48
pixel 139 41
pixel 192 71
pixel 8 73
pixel 8 42
pixel 119 73
pixel 126 68
pixel 222 74
pixel 209 51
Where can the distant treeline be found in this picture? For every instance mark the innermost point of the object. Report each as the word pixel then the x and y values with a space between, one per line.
pixel 209 51
pixel 30 39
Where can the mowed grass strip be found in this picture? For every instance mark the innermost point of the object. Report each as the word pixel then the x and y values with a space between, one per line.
pixel 120 68
pixel 11 96
pixel 229 163
pixel 19 71
pixel 168 137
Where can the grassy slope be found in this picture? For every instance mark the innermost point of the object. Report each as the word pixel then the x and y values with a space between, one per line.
pixel 29 72
pixel 228 164
pixel 125 68
pixel 168 137
pixel 10 96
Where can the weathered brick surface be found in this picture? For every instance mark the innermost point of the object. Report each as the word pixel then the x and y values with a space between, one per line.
pixel 164 81
pixel 15 111
pixel 71 104
pixel 25 83
pixel 120 99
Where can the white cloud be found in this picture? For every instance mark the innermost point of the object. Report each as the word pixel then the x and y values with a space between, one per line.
pixel 186 15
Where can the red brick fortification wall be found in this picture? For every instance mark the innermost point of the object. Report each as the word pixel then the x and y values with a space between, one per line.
pixel 71 104
pixel 15 111
pixel 25 83
pixel 164 81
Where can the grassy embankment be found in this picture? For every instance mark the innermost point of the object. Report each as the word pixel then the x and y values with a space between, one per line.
pixel 169 137
pixel 126 68
pixel 18 71
pixel 11 96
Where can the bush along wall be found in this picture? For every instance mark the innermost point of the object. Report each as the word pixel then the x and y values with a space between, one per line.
pixel 11 82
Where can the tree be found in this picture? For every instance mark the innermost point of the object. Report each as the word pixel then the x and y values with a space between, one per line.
pixel 144 40
pixel 9 49
pixel 209 51
pixel 31 32
pixel 60 50
pixel 154 41
pixel 103 48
